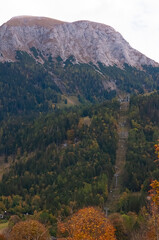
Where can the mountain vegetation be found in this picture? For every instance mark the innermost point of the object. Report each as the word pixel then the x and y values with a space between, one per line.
pixel 87 223
pixel 30 229
pixel 29 88
pixel 62 158
pixel 140 167
pixel 144 132
pixel 61 122
pixel 65 160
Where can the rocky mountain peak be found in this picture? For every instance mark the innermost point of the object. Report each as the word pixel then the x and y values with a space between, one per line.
pixel 86 41
pixel 25 21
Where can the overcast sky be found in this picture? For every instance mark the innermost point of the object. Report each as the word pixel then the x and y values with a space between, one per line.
pixel 136 20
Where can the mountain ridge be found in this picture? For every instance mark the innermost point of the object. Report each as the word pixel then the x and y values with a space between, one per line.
pixel 85 40
pixel 42 68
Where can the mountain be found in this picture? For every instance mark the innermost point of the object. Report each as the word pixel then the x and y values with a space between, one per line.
pixel 86 41
pixel 47 64
pixel 55 159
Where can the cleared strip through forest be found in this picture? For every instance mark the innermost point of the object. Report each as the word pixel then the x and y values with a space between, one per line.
pixel 115 188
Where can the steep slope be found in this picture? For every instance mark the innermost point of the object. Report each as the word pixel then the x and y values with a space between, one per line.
pixel 65 157
pixel 86 41
pixel 44 63
pixel 122 129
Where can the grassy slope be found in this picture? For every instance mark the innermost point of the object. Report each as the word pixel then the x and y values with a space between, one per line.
pixel 3 226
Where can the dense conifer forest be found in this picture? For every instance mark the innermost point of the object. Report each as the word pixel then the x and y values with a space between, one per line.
pixel 28 87
pixel 65 160
pixel 144 133
pixel 63 157
pixel 60 157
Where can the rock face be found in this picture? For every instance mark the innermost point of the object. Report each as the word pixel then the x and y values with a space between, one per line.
pixel 86 41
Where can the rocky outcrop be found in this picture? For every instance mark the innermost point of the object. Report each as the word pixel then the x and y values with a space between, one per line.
pixel 86 41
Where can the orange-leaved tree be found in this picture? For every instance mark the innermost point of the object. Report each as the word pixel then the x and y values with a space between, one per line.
pixel 2 237
pixel 89 224
pixel 154 192
pixel 157 152
pixel 30 229
pixel 153 232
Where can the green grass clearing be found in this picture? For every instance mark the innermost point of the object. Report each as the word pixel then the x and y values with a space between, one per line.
pixel 3 226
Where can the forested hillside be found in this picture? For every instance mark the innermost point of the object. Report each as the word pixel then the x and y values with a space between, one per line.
pixel 58 136
pixel 65 160
pixel 144 120
pixel 61 159
pixel 28 87
pixel 140 168
pixel 79 130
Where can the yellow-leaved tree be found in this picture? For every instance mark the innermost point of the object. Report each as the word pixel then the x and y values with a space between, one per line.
pixel 153 231
pixel 30 229
pixel 87 224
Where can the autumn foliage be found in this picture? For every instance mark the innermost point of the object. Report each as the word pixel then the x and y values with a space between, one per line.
pixel 2 237
pixel 30 229
pixel 154 192
pixel 153 230
pixel 157 152
pixel 89 224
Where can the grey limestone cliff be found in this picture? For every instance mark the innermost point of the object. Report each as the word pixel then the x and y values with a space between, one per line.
pixel 86 41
